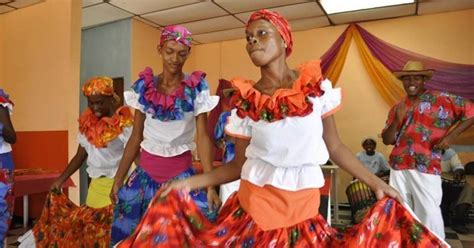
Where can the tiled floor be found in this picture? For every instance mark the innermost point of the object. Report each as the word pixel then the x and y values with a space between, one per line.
pixel 454 239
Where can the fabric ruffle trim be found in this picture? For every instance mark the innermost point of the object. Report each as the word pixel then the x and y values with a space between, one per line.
pixel 5 100
pixel 99 132
pixel 284 102
pixel 4 97
pixel 168 106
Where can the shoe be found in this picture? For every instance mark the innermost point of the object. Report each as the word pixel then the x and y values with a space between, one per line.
pixel 460 229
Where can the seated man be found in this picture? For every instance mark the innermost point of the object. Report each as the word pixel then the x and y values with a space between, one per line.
pixel 456 196
pixel 373 160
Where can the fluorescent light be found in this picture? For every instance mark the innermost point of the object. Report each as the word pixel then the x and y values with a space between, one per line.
pixel 338 6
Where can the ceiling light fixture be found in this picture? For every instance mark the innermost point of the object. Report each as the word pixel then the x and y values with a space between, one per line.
pixel 339 6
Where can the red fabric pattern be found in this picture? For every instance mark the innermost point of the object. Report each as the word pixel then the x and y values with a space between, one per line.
pixel 175 221
pixel 426 123
pixel 63 224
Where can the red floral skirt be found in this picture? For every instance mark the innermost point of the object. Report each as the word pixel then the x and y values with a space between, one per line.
pixel 64 224
pixel 175 221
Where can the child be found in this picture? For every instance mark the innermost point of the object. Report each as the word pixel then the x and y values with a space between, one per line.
pixel 223 141
pixel 284 130
pixel 104 129
pixel 7 138
pixel 171 108
pixel 374 161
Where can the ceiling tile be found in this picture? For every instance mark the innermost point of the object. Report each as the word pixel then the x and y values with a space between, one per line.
pixel 373 14
pixel 24 3
pixel 232 34
pixel 147 6
pixel 86 3
pixel 147 22
pixel 188 13
pixel 291 12
pixel 250 5
pixel 438 6
pixel 214 24
pixel 309 23
pixel 101 14
pixel 5 9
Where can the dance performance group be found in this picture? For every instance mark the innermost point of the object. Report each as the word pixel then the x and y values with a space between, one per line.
pixel 276 132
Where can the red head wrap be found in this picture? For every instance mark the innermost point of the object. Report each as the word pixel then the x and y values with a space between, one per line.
pixel 280 23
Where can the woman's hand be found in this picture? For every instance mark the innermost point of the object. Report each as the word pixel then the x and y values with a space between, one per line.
pixel 213 199
pixel 57 185
pixel 382 189
pixel 114 192
pixel 176 185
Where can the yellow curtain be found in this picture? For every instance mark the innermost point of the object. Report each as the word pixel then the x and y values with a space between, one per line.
pixel 386 83
pixel 335 69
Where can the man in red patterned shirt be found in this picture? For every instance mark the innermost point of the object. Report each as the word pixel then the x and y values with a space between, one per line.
pixel 420 126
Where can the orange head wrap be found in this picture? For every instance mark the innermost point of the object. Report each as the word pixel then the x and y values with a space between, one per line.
pixel 98 86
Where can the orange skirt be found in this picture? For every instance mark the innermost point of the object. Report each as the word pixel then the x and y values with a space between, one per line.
pixel 175 221
pixel 64 224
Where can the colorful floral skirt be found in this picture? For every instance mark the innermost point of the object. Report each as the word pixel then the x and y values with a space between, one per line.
pixel 64 224
pixel 7 201
pixel 135 196
pixel 175 221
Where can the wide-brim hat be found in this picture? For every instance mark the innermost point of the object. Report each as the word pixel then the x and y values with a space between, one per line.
pixel 414 68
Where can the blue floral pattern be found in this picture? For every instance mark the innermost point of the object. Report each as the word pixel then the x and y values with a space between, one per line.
pixel 134 198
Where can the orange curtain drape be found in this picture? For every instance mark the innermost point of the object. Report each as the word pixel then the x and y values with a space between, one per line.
pixel 389 87
pixel 335 69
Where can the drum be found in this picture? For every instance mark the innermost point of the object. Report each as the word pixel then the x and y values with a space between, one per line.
pixel 451 188
pixel 361 198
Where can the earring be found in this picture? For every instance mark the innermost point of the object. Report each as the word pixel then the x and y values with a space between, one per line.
pixel 285 45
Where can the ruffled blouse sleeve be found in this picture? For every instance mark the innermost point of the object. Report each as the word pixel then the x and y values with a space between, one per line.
pixel 131 99
pixel 238 127
pixel 204 102
pixel 125 135
pixel 5 101
pixel 82 140
pixel 331 99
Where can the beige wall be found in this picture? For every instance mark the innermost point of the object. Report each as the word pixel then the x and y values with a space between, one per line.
pixel 38 46
pixel 446 36
pixel 144 49
pixel 2 37
pixel 40 69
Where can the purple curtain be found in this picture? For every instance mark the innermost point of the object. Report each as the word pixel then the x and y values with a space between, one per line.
pixel 455 78
pixel 328 57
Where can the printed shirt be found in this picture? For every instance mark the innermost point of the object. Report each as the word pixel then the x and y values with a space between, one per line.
pixel 426 123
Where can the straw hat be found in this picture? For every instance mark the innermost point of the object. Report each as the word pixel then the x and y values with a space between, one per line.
pixel 414 68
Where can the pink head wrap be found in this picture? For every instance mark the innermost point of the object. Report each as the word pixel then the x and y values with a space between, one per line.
pixel 177 33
